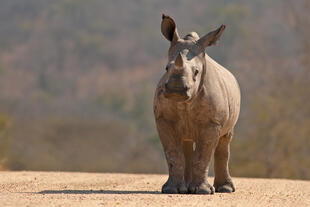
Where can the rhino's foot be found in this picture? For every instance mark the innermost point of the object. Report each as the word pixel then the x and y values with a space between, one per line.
pixel 202 188
pixel 174 188
pixel 227 187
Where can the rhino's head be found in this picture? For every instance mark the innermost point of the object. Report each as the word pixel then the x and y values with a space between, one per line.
pixel 186 60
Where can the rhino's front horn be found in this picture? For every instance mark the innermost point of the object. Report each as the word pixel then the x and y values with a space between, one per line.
pixel 179 61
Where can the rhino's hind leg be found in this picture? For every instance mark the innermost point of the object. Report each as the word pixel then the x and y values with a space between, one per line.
pixel 205 146
pixel 222 181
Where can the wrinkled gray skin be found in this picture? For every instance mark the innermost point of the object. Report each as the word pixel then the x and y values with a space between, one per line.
pixel 196 107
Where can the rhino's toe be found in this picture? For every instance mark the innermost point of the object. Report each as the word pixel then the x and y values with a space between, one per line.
pixel 203 188
pixel 225 188
pixel 170 188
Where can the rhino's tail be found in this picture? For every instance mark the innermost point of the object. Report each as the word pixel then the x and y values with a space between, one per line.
pixel 188 153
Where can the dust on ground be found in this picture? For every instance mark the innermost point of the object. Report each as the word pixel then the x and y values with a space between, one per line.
pixel 110 189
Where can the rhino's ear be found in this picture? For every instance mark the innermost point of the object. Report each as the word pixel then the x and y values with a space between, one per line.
pixel 169 29
pixel 212 37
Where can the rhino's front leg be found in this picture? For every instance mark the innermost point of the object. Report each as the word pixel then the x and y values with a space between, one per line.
pixel 205 146
pixel 175 157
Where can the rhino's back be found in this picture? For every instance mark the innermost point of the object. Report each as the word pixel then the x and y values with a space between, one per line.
pixel 225 92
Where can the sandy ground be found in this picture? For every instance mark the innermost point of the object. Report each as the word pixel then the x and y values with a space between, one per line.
pixel 101 189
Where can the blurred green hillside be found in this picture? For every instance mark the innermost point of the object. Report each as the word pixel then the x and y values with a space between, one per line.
pixel 77 80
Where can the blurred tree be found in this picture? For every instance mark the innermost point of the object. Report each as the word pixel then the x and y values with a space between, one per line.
pixel 4 141
pixel 78 80
pixel 276 142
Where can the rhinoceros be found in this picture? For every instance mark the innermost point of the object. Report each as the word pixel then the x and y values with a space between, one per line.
pixel 196 107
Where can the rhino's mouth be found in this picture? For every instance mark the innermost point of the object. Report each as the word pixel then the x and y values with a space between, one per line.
pixel 177 96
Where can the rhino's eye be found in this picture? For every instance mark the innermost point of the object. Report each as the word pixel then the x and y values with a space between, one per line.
pixel 196 71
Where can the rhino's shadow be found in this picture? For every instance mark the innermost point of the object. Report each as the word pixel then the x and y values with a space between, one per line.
pixel 97 192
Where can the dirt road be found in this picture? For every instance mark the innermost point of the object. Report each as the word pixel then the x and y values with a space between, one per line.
pixel 100 189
